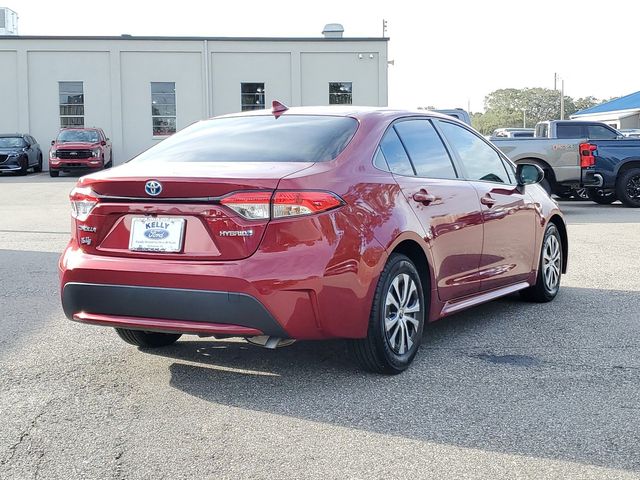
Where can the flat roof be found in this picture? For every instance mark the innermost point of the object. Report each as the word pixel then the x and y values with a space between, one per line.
pixel 215 39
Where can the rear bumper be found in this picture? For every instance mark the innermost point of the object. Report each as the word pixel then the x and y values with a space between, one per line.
pixel 591 179
pixel 168 309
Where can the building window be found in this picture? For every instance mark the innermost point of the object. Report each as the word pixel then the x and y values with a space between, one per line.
pixel 252 96
pixel 340 93
pixel 71 104
pixel 163 108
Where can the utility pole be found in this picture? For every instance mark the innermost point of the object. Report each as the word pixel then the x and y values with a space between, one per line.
pixel 524 118
pixel 384 28
pixel 562 99
pixel 555 81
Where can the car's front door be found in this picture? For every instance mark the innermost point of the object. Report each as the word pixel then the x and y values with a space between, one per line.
pixel 446 206
pixel 509 213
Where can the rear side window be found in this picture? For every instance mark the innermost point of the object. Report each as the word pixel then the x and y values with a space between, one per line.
pixel 480 161
pixel 425 148
pixel 264 138
pixel 542 130
pixel 598 132
pixel 395 154
pixel 570 131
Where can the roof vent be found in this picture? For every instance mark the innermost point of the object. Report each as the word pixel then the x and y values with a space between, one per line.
pixel 333 30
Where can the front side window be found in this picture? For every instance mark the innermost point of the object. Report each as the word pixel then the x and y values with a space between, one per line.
pixel 163 108
pixel 71 98
pixel 340 93
pixel 259 138
pixel 425 148
pixel 598 132
pixel 480 161
pixel 252 96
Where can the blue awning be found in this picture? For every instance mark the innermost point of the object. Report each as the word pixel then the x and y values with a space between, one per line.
pixel 627 102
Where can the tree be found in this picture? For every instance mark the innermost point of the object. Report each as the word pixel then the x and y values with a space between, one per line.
pixel 510 107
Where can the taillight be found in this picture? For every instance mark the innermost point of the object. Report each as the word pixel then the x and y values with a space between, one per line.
pixel 291 204
pixel 587 159
pixel 250 205
pixel 83 200
pixel 264 205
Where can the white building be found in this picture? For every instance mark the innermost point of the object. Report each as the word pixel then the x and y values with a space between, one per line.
pixel 8 21
pixel 140 89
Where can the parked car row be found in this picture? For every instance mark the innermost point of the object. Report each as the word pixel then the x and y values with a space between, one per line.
pixel 86 149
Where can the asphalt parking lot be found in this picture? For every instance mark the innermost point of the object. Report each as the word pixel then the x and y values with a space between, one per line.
pixel 507 390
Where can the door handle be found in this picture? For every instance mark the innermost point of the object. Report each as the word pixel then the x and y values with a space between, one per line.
pixel 423 197
pixel 488 201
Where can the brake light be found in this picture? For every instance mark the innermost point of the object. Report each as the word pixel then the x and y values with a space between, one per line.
pixel 250 205
pixel 263 205
pixel 587 158
pixel 83 200
pixel 291 204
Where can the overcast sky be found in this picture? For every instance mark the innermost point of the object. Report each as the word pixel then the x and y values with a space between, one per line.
pixel 446 54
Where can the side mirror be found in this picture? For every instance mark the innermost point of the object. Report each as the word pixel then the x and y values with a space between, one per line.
pixel 528 174
pixel 53 142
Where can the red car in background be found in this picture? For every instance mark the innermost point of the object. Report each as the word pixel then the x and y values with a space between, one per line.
pixel 309 223
pixel 78 149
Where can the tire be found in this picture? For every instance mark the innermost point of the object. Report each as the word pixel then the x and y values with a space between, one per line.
pixel 602 196
pixel 24 169
pixel 110 164
pixel 390 347
pixel 628 187
pixel 38 167
pixel 547 285
pixel 54 173
pixel 147 339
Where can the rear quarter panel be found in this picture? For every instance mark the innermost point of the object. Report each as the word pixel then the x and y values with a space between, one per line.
pixel 612 155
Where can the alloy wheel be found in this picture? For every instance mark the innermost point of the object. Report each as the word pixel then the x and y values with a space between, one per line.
pixel 551 263
pixel 633 187
pixel 402 314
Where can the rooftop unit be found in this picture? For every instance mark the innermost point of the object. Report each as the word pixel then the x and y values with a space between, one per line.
pixel 8 21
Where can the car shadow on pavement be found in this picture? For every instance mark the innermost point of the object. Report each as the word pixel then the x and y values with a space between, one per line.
pixel 543 380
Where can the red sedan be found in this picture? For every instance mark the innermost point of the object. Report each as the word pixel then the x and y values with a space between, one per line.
pixel 309 223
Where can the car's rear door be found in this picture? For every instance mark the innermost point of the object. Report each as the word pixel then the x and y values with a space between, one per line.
pixel 446 206
pixel 509 213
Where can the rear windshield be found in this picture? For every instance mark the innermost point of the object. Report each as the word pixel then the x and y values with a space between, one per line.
pixel 12 142
pixel 289 138
pixel 86 136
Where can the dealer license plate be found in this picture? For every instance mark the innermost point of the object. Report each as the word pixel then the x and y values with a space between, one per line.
pixel 156 234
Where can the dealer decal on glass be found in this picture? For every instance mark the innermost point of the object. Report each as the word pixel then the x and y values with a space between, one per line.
pixel 156 234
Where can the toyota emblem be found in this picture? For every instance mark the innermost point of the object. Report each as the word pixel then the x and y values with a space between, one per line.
pixel 153 188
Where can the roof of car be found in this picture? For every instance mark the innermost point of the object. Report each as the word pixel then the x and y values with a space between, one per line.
pixel 12 135
pixel 341 111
